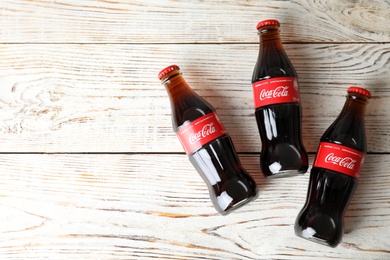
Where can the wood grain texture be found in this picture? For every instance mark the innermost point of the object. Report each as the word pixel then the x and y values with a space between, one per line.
pixel 107 98
pixel 129 207
pixel 121 21
pixel 80 77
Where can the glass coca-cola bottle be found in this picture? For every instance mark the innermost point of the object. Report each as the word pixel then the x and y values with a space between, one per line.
pixel 207 144
pixel 335 173
pixel 277 106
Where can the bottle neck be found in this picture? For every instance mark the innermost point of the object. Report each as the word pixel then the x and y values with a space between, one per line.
pixel 270 40
pixel 272 61
pixel 355 104
pixel 175 84
pixel 269 34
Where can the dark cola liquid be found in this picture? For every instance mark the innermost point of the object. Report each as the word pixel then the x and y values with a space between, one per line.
pixel 279 125
pixel 230 185
pixel 321 219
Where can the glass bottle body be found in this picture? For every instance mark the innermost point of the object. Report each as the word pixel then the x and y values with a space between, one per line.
pixel 279 124
pixel 334 176
pixel 216 161
pixel 322 218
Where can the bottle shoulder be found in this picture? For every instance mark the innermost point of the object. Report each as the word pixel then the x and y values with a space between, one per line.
pixel 189 108
pixel 273 64
pixel 346 132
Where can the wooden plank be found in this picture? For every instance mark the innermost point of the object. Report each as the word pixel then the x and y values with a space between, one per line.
pixel 107 98
pixel 130 207
pixel 136 21
pixel 80 77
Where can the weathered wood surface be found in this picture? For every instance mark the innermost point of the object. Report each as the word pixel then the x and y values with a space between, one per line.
pixel 150 21
pixel 107 98
pixel 90 166
pixel 130 207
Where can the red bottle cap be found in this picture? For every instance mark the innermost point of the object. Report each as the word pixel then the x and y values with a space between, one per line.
pixel 267 23
pixel 167 70
pixel 359 90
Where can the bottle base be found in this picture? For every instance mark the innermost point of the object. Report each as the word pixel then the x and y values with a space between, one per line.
pixel 318 241
pixel 320 228
pixel 283 174
pixel 236 205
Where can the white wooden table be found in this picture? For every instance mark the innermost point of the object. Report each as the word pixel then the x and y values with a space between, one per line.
pixel 90 166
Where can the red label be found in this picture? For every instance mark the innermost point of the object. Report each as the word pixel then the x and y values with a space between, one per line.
pixel 339 158
pixel 199 132
pixel 275 91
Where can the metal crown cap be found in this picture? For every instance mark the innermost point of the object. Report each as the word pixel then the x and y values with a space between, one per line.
pixel 359 90
pixel 167 70
pixel 267 23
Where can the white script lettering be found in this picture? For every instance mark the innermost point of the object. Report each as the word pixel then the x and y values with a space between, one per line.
pixel 281 91
pixel 207 130
pixel 346 162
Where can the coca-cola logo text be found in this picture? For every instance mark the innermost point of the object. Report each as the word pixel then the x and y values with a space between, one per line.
pixel 207 130
pixel 281 91
pixel 346 162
